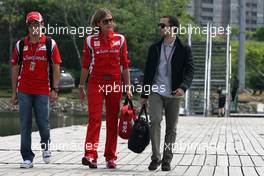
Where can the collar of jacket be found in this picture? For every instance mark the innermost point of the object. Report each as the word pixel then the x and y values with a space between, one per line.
pixel 177 43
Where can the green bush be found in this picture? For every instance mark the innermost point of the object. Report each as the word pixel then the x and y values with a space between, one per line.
pixel 254 63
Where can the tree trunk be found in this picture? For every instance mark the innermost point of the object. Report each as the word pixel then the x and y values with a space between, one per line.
pixel 73 37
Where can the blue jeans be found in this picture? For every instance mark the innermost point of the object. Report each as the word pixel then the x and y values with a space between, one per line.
pixel 40 105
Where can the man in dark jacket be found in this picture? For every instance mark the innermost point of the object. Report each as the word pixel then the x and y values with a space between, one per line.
pixel 169 72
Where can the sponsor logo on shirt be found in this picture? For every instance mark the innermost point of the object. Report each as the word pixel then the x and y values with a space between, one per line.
pixel 25 48
pixel 107 51
pixel 31 58
pixel 96 43
pixel 43 48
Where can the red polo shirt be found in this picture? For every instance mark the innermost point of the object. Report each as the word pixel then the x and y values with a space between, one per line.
pixel 35 81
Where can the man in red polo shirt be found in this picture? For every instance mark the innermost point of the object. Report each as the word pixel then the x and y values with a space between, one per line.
pixel 31 85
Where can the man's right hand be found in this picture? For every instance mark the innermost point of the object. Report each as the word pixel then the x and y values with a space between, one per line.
pixel 14 99
pixel 143 101
pixel 82 94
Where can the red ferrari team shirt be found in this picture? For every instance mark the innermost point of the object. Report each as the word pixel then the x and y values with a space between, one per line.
pixel 34 74
pixel 103 57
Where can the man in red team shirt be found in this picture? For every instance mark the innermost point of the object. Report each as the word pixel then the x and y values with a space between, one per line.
pixel 31 86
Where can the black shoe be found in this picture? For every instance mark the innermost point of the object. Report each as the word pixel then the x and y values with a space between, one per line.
pixel 154 164
pixel 92 163
pixel 165 167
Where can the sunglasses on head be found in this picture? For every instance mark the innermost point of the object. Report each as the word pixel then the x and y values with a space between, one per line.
pixel 107 21
pixel 162 25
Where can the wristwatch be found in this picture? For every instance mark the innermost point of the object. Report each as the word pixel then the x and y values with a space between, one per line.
pixel 56 89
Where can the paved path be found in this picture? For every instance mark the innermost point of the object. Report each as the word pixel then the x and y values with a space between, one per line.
pixel 205 147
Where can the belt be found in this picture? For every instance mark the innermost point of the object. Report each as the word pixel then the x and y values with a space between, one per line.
pixel 106 77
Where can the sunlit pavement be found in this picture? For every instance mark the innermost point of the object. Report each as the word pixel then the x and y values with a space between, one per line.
pixel 204 146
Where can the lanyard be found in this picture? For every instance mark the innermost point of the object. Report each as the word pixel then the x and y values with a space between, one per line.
pixel 165 54
pixel 32 66
pixel 34 52
pixel 168 58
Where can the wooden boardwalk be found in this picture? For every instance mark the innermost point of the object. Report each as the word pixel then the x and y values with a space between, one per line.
pixel 204 147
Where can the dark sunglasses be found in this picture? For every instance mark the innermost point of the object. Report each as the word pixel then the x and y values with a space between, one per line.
pixel 162 25
pixel 107 21
pixel 36 24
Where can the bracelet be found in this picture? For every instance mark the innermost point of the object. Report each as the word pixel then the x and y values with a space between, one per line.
pixel 81 86
pixel 56 89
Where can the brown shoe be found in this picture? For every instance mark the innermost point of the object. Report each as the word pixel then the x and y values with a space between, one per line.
pixel 91 162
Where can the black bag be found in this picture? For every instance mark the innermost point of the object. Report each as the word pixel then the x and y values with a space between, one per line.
pixel 140 136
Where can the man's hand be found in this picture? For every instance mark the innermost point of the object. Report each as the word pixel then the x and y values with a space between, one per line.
pixel 143 101
pixel 178 92
pixel 82 94
pixel 129 94
pixel 14 99
pixel 53 96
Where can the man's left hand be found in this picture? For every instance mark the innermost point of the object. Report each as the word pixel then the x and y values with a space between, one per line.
pixel 178 92
pixel 53 96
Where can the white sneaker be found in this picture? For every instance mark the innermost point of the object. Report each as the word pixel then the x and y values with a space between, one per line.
pixel 46 154
pixel 26 164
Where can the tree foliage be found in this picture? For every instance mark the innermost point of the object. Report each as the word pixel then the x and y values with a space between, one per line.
pixel 254 63
pixel 137 20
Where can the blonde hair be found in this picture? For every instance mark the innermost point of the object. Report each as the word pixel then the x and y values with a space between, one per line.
pixel 98 16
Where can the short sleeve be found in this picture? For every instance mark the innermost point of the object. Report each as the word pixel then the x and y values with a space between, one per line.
pixel 56 58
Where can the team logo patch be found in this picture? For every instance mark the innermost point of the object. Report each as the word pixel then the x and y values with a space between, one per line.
pixel 25 48
pixel 116 43
pixel 43 48
pixel 96 43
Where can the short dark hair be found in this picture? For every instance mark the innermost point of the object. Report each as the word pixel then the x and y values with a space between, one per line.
pixel 172 20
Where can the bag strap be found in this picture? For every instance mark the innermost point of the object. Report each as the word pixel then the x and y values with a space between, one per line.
pixel 48 44
pixel 143 109
pixel 127 100
pixel 48 47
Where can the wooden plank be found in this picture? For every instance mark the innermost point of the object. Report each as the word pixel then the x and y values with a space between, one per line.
pixel 193 171
pixel 260 170
pixel 186 160
pixel 246 161
pixel 222 160
pixel 198 160
pixel 210 160
pixel 178 170
pixel 234 161
pixel 257 160
pixel 235 171
pixel 221 171
pixel 249 171
pixel 207 171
